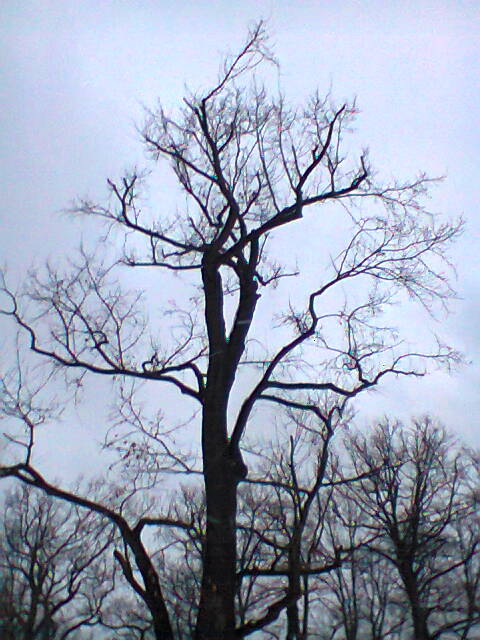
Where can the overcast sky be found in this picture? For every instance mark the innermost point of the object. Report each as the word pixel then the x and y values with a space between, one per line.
pixel 76 74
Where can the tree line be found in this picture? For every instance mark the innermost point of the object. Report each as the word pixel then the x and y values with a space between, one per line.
pixel 391 550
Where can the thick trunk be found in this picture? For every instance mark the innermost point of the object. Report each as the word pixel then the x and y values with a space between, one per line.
pixel 419 619
pixel 293 622
pixel 294 591
pixel 222 472
pixel 222 463
pixel 216 618
pixel 420 626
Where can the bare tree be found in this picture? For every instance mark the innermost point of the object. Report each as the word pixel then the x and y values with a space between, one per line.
pixel 53 571
pixel 421 505
pixel 361 595
pixel 249 165
pixel 281 521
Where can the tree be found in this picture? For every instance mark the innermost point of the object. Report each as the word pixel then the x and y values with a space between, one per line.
pixel 52 568
pixel 422 506
pixel 249 165
pixel 281 522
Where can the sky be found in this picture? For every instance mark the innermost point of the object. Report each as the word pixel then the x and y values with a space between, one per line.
pixel 76 76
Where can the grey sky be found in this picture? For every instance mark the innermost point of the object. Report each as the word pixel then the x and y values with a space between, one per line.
pixel 75 75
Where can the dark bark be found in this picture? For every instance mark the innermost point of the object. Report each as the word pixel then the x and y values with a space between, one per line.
pixel 153 597
pixel 418 613
pixel 294 576
pixel 216 619
pixel 294 592
pixel 223 465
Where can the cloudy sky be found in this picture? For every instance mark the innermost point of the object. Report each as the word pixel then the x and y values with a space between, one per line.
pixel 76 75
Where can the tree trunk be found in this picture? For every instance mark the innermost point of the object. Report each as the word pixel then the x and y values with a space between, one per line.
pixel 223 466
pixel 293 622
pixel 419 620
pixel 222 471
pixel 216 618
pixel 294 591
pixel 420 626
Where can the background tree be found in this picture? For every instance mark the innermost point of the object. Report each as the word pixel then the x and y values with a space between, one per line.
pixel 422 507
pixel 360 598
pixel 281 520
pixel 249 165
pixel 54 575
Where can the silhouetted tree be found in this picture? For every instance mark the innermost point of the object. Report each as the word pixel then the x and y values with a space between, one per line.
pixel 53 575
pixel 421 504
pixel 249 166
